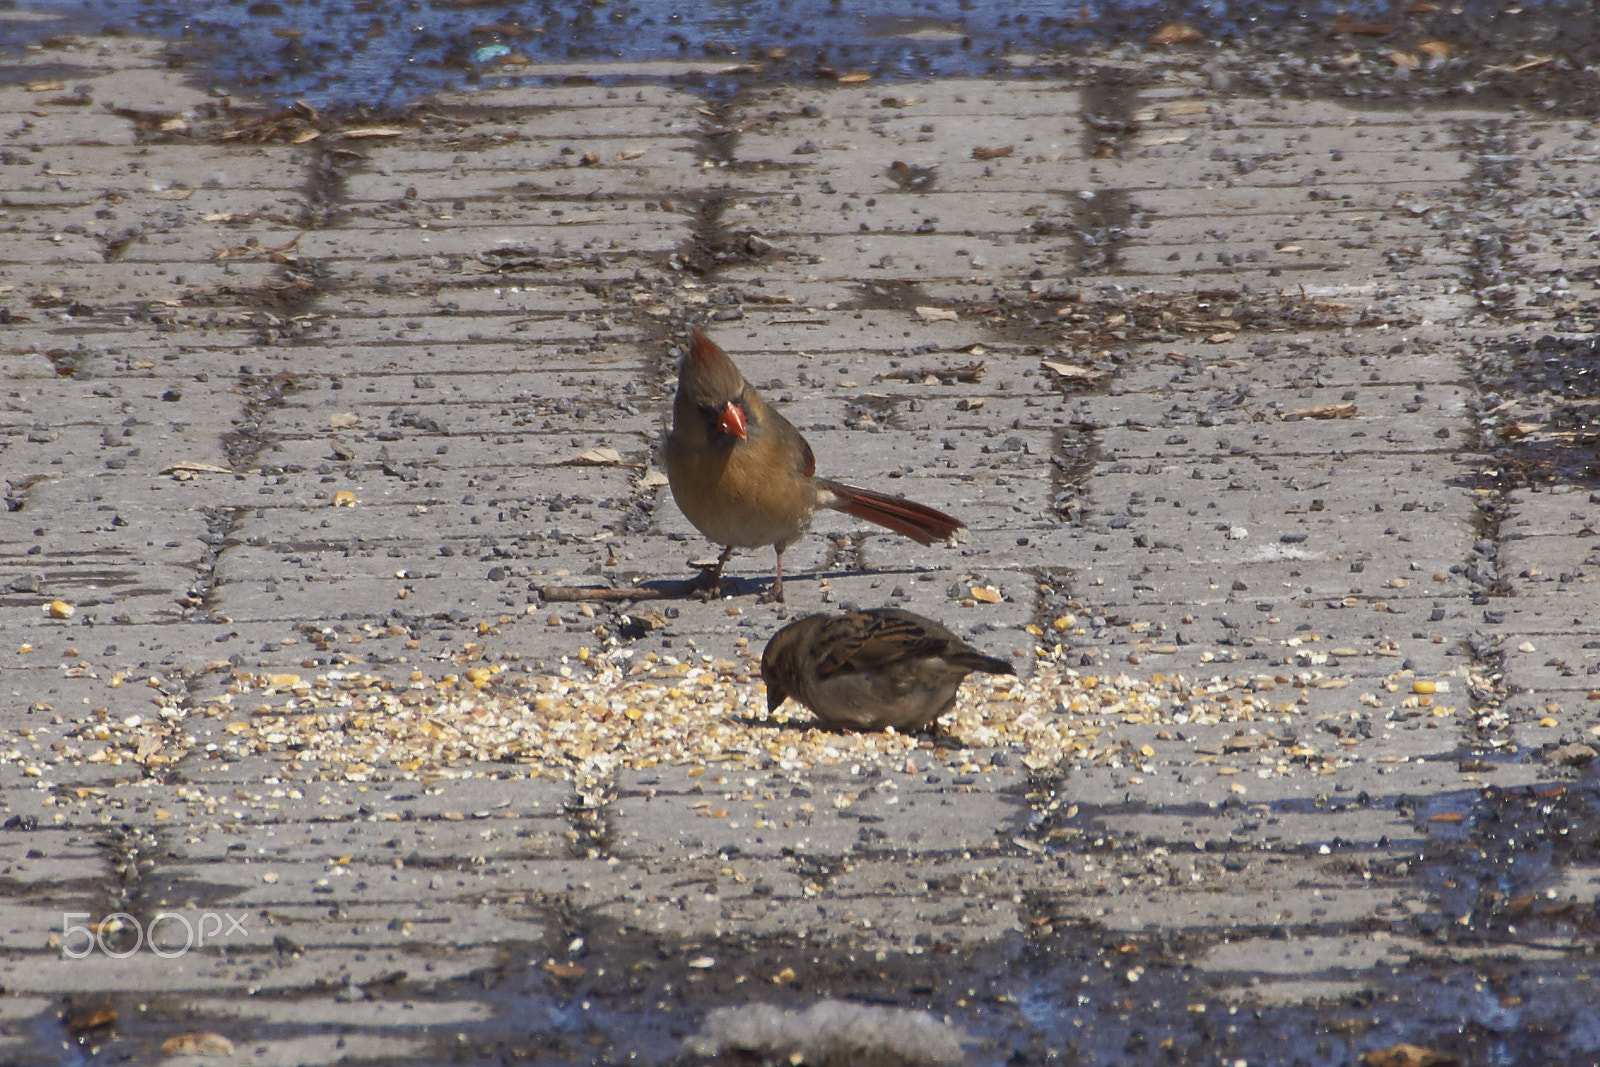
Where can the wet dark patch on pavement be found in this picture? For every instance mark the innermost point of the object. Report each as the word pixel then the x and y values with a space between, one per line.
pixel 1110 99
pixel 594 991
pixel 264 393
pixel 1544 426
pixel 1495 150
pixel 706 249
pixel 130 856
pixel 1481 54
pixel 888 296
pixel 1102 217
pixel 1094 315
pixel 1498 866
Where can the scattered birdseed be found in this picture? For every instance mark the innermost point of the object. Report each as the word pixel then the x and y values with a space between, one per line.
pixel 606 711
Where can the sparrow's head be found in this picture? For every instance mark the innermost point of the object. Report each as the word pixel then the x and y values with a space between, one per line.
pixel 784 660
pixel 776 693
pixel 710 388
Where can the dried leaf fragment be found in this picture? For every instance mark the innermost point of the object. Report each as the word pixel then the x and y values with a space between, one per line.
pixel 972 373
pixel 987 152
pixel 1176 33
pixel 598 457
pixel 1323 411
pixel 1404 1055
pixel 186 470
pixel 1573 755
pixel 1531 64
pixel 197 1043
pixel 1343 24
pixel 82 1018
pixel 363 132
pixel 1072 370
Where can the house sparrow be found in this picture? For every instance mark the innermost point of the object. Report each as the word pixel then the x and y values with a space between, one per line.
pixel 871 669
pixel 745 477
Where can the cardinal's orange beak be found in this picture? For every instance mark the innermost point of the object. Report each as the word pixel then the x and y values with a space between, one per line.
pixel 731 421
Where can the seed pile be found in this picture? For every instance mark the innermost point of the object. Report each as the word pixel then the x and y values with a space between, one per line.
pixel 602 712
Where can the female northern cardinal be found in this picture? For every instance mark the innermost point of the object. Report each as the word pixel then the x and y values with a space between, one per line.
pixel 745 477
pixel 871 669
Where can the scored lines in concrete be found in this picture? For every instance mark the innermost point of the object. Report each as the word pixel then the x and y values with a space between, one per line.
pixel 498 294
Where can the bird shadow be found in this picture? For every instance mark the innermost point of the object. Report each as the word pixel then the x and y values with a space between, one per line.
pixel 932 733
pixel 699 588
pixel 761 584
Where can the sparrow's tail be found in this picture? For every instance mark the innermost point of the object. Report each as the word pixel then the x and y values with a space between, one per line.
pixel 919 522
pixel 977 661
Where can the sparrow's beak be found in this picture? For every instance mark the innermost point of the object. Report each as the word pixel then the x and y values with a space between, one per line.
pixel 731 421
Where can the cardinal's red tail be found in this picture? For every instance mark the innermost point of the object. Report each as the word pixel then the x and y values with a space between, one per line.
pixel 919 522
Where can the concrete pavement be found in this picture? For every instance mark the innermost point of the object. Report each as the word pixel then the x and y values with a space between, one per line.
pixel 298 427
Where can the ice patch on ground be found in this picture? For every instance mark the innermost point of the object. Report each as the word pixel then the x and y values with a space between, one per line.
pixel 832 1032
